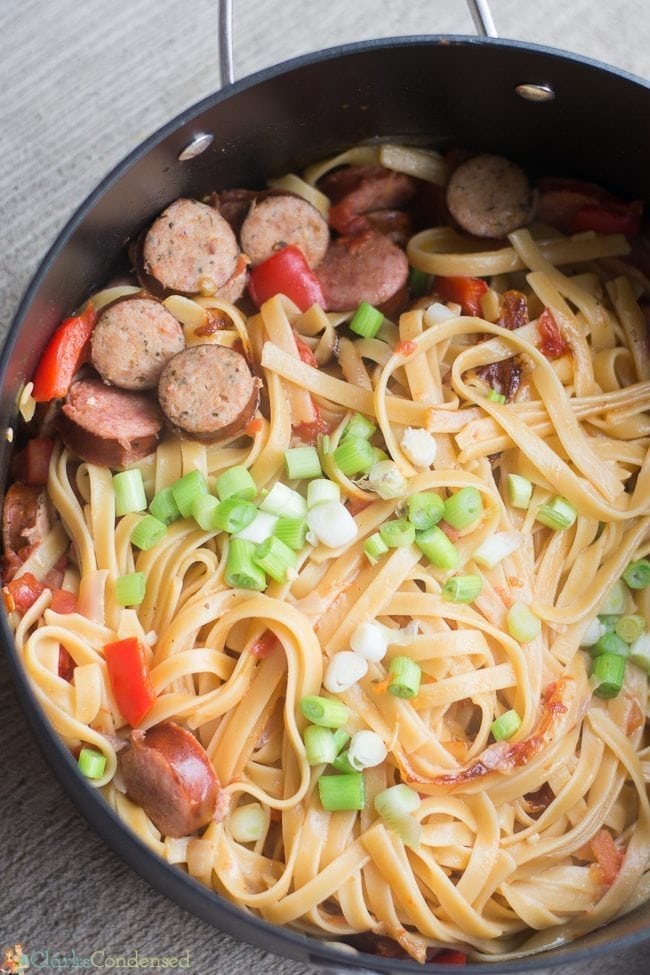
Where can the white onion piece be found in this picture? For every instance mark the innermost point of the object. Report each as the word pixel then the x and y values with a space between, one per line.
pixel 419 446
pixel 344 670
pixel 332 524
pixel 370 641
pixel 366 750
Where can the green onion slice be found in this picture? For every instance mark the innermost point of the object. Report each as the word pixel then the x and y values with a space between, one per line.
pixel 522 623
pixel 520 490
pixel 283 500
pixel 129 491
pixel 397 533
pixel 91 763
pixel 324 711
pixel 236 482
pixel 366 321
pixel 405 676
pixel 186 489
pixel 148 532
pixel 637 574
pixel 276 558
pixel 163 507
pixel 611 643
pixel 558 514
pixel 241 570
pixel 462 589
pixel 425 510
pixel 302 463
pixel 505 726
pixel 463 508
pixel 434 544
pixel 630 627
pixel 291 531
pixel 320 745
pixel 359 426
pixel 374 547
pixel 347 791
pixel 130 589
pixel 609 669
pixel 354 455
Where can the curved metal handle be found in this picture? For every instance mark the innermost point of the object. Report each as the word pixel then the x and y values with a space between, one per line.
pixel 479 9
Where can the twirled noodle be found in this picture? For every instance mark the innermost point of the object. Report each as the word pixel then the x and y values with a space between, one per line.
pixel 504 865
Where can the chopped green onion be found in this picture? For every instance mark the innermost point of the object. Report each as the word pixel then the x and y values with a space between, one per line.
pixel 320 489
pixel 341 739
pixel 247 823
pixel 397 533
pixel 232 515
pixel 291 531
pixel 241 570
pixel 366 321
pixel 396 806
pixel 637 574
pixel 593 633
pixel 359 426
pixel 129 491
pixel 496 548
pixel 91 763
pixel 324 711
pixel 425 510
pixel 354 455
pixel 462 589
pixel 148 532
pixel 614 602
pixel 463 508
pixel 302 463
pixel 610 643
pixel 495 396
pixel 417 282
pixel 276 558
pixel 505 726
pixel 366 750
pixel 342 791
pixel 130 589
pixel 520 490
pixel 438 549
pixel 342 763
pixel 261 527
pixel 380 454
pixel 236 482
pixel 387 480
pixel 283 500
pixel 640 652
pixel 187 489
pixel 320 746
pixel 405 676
pixel 609 668
pixel 522 623
pixel 163 507
pixel 630 627
pixel 558 514
pixel 609 621
pixel 374 547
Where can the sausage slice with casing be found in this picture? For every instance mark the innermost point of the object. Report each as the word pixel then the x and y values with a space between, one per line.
pixel 190 249
pixel 132 340
pixel 208 392
pixel 277 221
pixel 489 196
pixel 361 267
pixel 168 772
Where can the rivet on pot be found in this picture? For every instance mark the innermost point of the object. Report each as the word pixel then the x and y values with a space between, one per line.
pixel 194 148
pixel 535 93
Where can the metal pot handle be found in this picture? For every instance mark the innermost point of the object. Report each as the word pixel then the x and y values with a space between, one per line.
pixel 479 9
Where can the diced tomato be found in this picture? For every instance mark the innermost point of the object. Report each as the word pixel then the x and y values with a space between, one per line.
pixel 309 432
pixel 129 677
pixel 608 856
pixel 450 957
pixel 622 218
pixel 63 601
pixel 466 292
pixel 66 664
pixel 305 353
pixel 288 273
pixel 63 355
pixel 452 533
pixel 405 347
pixel 264 645
pixel 356 505
pixel 22 593
pixel 254 426
pixel 552 344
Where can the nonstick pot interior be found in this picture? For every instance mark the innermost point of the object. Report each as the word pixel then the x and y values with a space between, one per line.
pixel 441 91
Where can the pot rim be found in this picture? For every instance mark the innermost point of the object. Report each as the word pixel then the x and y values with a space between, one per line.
pixel 183 889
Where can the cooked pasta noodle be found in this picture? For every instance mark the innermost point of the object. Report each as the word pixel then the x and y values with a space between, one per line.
pixel 504 864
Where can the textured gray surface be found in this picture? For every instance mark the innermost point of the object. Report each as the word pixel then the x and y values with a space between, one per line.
pixel 81 82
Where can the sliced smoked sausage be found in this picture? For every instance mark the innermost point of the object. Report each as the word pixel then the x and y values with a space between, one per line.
pixel 26 522
pixel 357 191
pixel 278 220
pixel 361 267
pixel 489 196
pixel 132 340
pixel 168 772
pixel 109 426
pixel 190 249
pixel 208 392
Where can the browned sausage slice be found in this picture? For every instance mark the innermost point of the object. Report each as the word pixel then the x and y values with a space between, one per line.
pixel 168 772
pixel 109 426
pixel 132 340
pixel 362 267
pixel 359 190
pixel 26 522
pixel 489 196
pixel 190 248
pixel 208 392
pixel 276 221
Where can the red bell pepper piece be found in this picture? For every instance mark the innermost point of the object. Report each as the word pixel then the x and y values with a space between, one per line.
pixel 63 355
pixel 622 218
pixel 63 601
pixel 608 856
pixel 451 957
pixel 66 664
pixel 128 673
pixel 288 273
pixel 305 353
pixel 22 593
pixel 465 292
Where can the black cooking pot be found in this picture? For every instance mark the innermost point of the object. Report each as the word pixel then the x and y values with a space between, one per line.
pixel 479 94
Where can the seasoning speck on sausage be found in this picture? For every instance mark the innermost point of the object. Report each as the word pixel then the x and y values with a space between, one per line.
pixel 168 772
pixel 133 339
pixel 276 221
pixel 207 392
pixel 190 248
pixel 489 196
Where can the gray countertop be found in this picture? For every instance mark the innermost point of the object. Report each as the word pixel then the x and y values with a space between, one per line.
pixel 81 82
